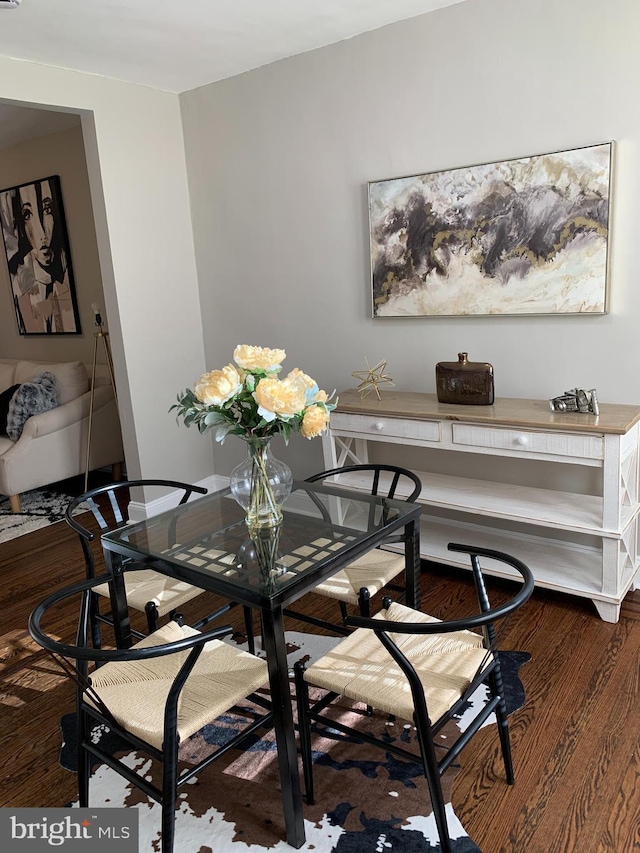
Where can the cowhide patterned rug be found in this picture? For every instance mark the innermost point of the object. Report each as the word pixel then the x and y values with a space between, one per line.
pixel 366 801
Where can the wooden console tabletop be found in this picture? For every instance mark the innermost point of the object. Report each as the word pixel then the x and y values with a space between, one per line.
pixel 613 419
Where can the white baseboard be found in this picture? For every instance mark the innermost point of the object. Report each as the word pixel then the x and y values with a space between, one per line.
pixel 139 510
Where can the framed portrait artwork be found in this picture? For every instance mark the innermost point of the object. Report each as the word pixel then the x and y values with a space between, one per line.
pixel 36 244
pixel 525 236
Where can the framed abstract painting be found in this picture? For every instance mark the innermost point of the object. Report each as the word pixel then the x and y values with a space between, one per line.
pixel 522 236
pixel 36 244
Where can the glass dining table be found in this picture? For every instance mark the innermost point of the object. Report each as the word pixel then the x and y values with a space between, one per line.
pixel 205 542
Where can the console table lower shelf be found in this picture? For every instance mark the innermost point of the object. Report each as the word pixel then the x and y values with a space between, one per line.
pixel 575 543
pixel 565 567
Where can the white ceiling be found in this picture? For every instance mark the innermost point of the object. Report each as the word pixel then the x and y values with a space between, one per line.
pixel 178 45
pixel 175 45
pixel 17 124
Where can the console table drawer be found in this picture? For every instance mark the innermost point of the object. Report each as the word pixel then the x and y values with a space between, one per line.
pixel 528 441
pixel 382 426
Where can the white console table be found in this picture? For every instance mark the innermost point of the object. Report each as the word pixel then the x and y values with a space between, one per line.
pixel 584 544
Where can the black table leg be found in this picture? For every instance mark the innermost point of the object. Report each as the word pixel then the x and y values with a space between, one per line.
pixel 274 644
pixel 118 595
pixel 412 562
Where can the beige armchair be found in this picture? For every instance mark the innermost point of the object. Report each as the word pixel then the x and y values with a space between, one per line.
pixel 53 444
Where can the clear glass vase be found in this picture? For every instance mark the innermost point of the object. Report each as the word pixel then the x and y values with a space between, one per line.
pixel 260 552
pixel 261 484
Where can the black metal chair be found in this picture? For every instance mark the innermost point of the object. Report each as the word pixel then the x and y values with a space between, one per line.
pixel 406 663
pixel 358 582
pixel 148 591
pixel 153 695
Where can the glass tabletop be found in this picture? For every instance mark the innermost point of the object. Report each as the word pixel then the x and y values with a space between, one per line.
pixel 206 541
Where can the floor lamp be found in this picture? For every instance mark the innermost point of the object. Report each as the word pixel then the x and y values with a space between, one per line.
pixel 100 335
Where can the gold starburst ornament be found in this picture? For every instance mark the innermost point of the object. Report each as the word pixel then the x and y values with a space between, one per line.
pixel 372 377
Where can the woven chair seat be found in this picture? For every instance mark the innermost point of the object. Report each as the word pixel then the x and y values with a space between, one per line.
pixel 136 691
pixel 361 669
pixel 373 570
pixel 394 656
pixel 146 585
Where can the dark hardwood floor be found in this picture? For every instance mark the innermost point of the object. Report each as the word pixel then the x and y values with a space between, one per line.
pixel 576 741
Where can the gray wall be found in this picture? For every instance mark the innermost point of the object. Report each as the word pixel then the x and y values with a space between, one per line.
pixel 135 158
pixel 279 159
pixel 56 154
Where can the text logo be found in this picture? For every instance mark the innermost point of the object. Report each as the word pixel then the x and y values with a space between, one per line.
pixel 37 830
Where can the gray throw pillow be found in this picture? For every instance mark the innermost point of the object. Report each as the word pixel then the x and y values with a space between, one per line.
pixel 38 395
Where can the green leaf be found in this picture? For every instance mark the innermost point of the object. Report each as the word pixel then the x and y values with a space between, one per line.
pixel 212 418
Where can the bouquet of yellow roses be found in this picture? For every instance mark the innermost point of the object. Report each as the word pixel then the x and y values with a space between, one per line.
pixel 250 400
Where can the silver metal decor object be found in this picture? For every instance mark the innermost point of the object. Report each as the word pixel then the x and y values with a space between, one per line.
pixel 576 400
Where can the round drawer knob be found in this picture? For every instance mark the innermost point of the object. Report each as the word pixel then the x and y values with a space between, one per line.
pixel 379 426
pixel 521 440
